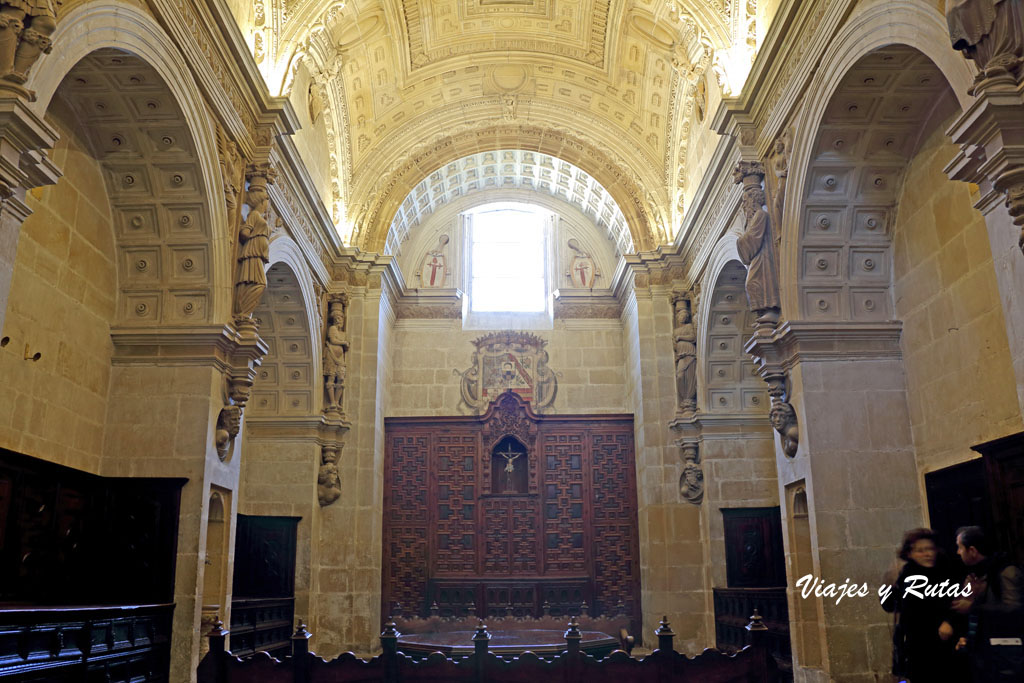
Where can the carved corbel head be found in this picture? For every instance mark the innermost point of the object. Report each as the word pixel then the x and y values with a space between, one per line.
pixel 691 481
pixel 229 422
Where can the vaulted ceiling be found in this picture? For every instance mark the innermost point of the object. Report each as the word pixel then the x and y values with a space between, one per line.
pixel 407 86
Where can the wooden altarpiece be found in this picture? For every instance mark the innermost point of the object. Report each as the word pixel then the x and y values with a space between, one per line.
pixel 555 528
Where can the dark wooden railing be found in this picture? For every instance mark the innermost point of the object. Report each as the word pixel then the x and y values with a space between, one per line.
pixel 64 644
pixel 751 665
pixel 732 605
pixel 261 625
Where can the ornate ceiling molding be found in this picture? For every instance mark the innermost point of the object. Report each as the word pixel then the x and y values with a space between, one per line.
pixel 626 188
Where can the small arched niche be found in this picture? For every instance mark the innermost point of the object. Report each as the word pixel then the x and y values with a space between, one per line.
pixel 509 467
pixel 216 552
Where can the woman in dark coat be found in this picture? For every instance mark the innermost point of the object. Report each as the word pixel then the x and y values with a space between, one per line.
pixel 923 632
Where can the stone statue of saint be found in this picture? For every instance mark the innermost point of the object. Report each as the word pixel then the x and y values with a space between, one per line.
pixel 756 248
pixel 254 244
pixel 25 30
pixel 335 348
pixel 685 339
pixel 988 32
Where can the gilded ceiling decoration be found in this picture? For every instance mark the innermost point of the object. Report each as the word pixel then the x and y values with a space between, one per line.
pixel 617 76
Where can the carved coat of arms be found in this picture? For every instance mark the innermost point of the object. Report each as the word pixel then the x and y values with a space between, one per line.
pixel 509 361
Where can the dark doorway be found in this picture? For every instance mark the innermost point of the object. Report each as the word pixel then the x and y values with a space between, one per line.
pixel 263 602
pixel 957 496
pixel 755 571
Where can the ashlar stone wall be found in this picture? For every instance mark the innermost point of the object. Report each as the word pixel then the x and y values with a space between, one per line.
pixel 63 295
pixel 960 380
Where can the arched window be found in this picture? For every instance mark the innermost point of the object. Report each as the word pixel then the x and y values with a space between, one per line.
pixel 508 257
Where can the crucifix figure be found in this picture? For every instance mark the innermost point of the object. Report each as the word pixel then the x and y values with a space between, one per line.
pixel 510 458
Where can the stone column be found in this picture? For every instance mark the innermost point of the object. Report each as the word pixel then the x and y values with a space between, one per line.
pixel 991 138
pixel 855 459
pixel 23 165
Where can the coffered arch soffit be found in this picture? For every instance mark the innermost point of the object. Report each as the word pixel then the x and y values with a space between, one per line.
pixel 639 208
pixel 900 25
pixel 884 106
pixel 511 170
pixel 168 247
pixel 289 375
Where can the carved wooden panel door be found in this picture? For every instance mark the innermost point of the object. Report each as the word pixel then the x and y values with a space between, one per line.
pixel 510 511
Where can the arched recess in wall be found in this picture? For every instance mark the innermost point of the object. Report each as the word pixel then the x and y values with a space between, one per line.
pixel 872 26
pixel 217 555
pixel 885 236
pixel 105 29
pixel 730 382
pixel 287 381
pixel 155 184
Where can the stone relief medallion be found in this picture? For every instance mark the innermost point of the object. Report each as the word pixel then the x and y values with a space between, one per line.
pixel 509 361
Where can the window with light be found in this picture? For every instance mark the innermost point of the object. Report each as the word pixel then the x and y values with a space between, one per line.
pixel 508 259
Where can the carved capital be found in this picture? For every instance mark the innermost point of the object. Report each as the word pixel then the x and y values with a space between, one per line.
pixel 261 173
pixel 750 173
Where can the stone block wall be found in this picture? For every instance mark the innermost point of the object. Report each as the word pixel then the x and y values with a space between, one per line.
pixel 960 379
pixel 62 298
pixel 672 533
pixel 587 354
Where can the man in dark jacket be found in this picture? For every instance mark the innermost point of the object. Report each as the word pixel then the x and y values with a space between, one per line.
pixel 994 610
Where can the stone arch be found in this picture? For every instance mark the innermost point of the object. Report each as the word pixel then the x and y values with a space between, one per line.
pixel 96 28
pixel 374 218
pixel 506 170
pixel 872 126
pixel 288 380
pixel 731 384
pixel 873 26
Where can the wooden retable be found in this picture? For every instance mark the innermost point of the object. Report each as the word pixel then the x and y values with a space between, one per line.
pixel 543 643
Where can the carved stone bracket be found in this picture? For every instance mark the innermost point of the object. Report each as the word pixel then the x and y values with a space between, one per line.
pixel 991 131
pixel 691 481
pixel 771 361
pixel 328 481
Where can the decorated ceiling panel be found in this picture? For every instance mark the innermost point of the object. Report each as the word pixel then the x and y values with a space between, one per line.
pixel 393 76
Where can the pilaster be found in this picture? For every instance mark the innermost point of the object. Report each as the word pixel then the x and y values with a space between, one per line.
pixel 24 137
pixel 846 382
